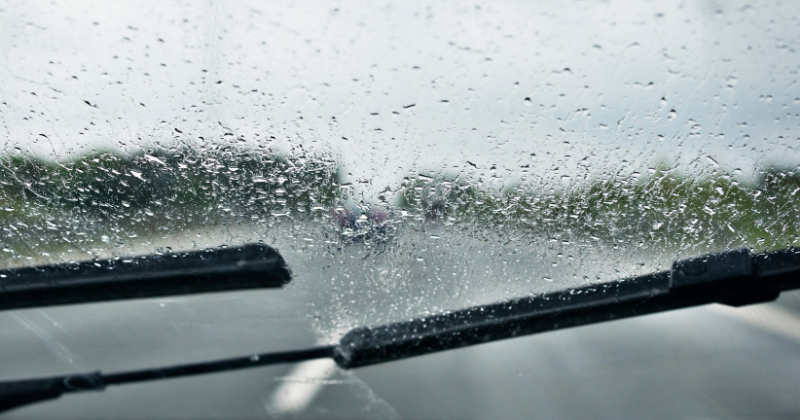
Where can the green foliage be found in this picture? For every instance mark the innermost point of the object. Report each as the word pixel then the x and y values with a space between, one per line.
pixel 110 185
pixel 660 210
pixel 47 205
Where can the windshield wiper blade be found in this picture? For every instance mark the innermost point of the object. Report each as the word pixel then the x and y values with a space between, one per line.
pixel 734 277
pixel 211 270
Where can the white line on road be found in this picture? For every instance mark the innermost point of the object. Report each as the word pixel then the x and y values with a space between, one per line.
pixel 769 318
pixel 301 386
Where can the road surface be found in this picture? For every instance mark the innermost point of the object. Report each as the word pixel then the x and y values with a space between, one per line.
pixel 710 362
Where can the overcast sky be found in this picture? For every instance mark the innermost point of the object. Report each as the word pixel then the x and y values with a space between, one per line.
pixel 569 89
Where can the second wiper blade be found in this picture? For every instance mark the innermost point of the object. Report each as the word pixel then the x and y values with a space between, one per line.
pixel 212 270
pixel 734 277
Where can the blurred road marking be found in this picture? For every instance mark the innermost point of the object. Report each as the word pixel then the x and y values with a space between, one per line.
pixel 769 318
pixel 53 344
pixel 301 387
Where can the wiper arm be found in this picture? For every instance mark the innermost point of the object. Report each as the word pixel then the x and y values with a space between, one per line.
pixel 212 270
pixel 734 277
pixel 28 391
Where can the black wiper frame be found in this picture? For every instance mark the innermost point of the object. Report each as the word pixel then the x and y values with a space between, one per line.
pixel 734 277
pixel 212 270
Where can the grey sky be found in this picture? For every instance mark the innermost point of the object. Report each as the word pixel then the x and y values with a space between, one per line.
pixel 392 88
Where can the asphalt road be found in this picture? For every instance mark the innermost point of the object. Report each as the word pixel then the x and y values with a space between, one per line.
pixel 708 362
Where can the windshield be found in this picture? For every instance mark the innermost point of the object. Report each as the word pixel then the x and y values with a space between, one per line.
pixel 406 159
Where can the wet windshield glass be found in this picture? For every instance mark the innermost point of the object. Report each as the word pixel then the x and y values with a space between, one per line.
pixel 405 159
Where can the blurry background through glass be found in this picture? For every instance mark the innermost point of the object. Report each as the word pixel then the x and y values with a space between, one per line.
pixel 406 158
